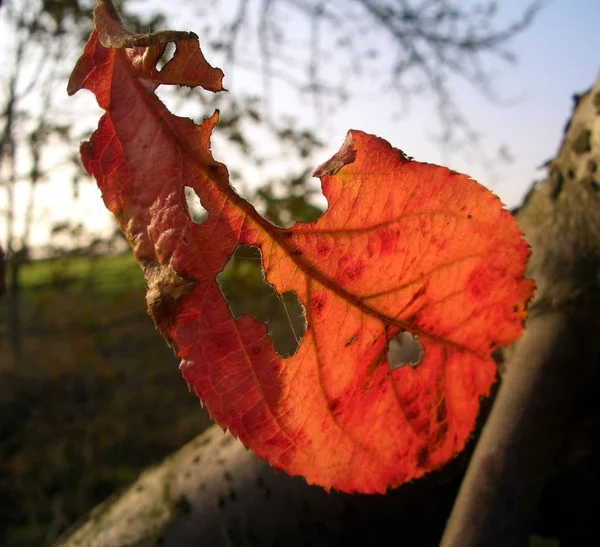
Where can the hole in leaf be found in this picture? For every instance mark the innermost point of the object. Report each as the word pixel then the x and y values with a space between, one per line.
pixel 167 55
pixel 405 349
pixel 196 211
pixel 243 285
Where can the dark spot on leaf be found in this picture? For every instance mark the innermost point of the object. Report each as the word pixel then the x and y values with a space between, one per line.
pixel 515 308
pixel 571 174
pixel 296 252
pixel 387 240
pixel 422 427
pixel 592 166
pixel 323 249
pixel 411 319
pixel 412 413
pixel 255 350
pixel 222 502
pixel 422 456
pixel 441 412
pixel 318 303
pixel 334 405
pixel 232 494
pixel 410 398
pixel 351 340
pixel 196 459
pixel 404 349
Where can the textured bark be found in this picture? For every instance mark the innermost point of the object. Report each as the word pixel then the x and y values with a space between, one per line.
pixel 213 492
pixel 549 370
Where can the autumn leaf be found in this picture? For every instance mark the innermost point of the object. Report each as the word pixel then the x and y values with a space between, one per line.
pixel 409 280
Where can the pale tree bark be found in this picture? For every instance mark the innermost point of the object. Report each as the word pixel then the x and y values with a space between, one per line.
pixel 214 492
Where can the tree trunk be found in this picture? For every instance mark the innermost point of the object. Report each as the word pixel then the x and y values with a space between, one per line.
pixel 13 304
pixel 214 492
pixel 2 272
pixel 556 361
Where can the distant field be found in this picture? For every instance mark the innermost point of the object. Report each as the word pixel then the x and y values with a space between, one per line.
pixel 108 273
pixel 92 397
pixel 94 394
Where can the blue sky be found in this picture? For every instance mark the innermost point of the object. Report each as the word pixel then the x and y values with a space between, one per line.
pixel 557 56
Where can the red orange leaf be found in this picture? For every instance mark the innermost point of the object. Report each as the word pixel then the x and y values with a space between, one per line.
pixel 403 246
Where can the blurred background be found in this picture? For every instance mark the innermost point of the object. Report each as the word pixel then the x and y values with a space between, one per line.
pixel 89 393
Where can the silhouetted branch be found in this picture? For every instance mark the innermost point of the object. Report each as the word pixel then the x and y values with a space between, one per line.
pixel 431 42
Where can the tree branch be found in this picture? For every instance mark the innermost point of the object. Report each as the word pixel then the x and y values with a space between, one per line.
pixel 557 357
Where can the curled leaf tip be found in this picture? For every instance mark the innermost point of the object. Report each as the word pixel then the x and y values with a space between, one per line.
pixel 345 155
pixel 114 35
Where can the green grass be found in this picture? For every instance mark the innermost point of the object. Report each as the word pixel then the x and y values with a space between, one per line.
pixel 109 273
pixel 95 394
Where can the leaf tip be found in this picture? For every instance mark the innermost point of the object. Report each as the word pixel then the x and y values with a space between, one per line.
pixel 344 156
